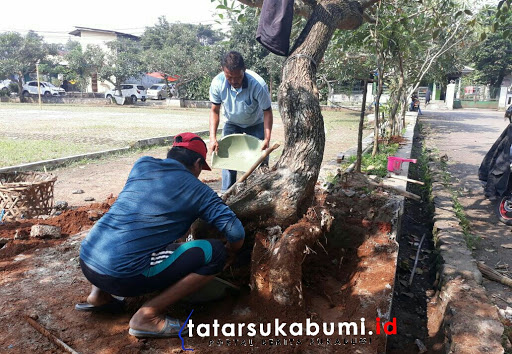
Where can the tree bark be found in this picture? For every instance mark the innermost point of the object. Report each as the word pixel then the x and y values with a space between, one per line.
pixel 20 87
pixel 398 98
pixel 277 265
pixel 360 130
pixel 284 194
pixel 377 123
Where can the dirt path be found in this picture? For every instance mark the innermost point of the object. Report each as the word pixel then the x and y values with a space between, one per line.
pixel 465 136
pixel 44 279
pixel 101 178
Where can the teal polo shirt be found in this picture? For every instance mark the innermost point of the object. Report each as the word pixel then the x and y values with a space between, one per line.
pixel 244 106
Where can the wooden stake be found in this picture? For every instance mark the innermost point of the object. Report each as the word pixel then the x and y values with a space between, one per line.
pixel 231 189
pixel 50 336
pixel 406 179
pixel 396 190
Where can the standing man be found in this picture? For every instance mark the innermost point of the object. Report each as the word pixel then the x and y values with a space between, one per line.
pixel 427 97
pixel 130 250
pixel 247 106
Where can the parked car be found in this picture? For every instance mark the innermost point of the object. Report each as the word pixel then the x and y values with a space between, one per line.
pixel 4 85
pixel 136 92
pixel 47 89
pixel 157 92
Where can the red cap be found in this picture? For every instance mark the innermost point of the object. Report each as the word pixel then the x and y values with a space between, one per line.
pixel 194 143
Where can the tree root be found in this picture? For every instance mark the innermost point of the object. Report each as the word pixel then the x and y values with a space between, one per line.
pixel 277 260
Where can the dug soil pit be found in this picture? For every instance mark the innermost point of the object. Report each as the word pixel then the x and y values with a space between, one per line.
pixel 348 275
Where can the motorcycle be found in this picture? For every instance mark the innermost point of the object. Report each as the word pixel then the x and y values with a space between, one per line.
pixel 414 106
pixel 495 175
pixel 508 113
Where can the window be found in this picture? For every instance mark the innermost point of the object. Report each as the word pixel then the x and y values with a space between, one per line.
pixel 140 87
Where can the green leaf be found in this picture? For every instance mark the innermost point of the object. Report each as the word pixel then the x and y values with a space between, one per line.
pixel 494 26
pixel 507 33
pixel 221 16
pixel 436 33
pixel 500 4
pixel 468 12
pixel 483 36
pixel 458 13
pixel 221 7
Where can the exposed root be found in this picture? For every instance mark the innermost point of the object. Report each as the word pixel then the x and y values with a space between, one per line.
pixel 277 266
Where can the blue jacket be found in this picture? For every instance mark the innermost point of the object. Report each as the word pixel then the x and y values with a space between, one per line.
pixel 158 204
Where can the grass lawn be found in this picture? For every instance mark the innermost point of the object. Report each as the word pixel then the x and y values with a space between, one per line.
pixel 31 134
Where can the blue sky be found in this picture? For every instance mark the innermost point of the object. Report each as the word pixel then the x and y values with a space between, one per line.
pixel 55 19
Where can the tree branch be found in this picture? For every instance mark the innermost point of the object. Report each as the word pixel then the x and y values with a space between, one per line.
pixel 367 3
pixel 368 18
pixel 304 8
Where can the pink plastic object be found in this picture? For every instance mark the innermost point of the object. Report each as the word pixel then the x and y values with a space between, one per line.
pixel 395 163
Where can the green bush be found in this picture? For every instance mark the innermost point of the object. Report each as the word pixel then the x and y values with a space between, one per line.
pixel 379 162
pixel 13 87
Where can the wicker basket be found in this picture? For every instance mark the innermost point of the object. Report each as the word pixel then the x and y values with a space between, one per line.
pixel 26 194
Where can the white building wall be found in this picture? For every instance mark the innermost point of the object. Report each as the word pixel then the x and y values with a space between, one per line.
pixel 96 38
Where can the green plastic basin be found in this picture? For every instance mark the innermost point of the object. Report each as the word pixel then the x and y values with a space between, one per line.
pixel 237 152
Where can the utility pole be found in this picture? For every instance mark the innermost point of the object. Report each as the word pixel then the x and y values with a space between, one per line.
pixel 38 85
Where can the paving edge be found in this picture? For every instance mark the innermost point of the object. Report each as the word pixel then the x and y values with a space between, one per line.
pixel 461 310
pixel 143 143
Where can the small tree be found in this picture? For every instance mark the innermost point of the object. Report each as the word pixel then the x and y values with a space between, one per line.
pixel 83 64
pixel 492 59
pixel 20 54
pixel 122 61
pixel 188 51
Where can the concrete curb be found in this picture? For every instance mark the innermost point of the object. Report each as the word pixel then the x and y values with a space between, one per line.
pixel 143 143
pixel 461 311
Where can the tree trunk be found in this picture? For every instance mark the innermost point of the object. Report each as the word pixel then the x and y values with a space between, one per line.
pixel 376 127
pixel 283 195
pixel 20 87
pixel 286 193
pixel 398 98
pixel 277 265
pixel 404 108
pixel 360 130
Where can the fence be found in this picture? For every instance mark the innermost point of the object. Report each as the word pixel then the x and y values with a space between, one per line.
pixel 479 96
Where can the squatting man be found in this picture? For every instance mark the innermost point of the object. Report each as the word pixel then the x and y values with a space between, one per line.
pixel 130 250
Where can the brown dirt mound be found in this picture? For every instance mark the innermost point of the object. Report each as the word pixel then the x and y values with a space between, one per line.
pixel 71 222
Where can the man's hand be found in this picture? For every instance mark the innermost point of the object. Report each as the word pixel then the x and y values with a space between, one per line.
pixel 265 145
pixel 229 260
pixel 232 249
pixel 214 145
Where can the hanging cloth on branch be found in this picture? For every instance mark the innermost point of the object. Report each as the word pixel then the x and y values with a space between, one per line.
pixel 275 26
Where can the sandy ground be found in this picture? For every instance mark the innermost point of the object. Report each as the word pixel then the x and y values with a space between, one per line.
pixel 43 280
pixel 101 178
